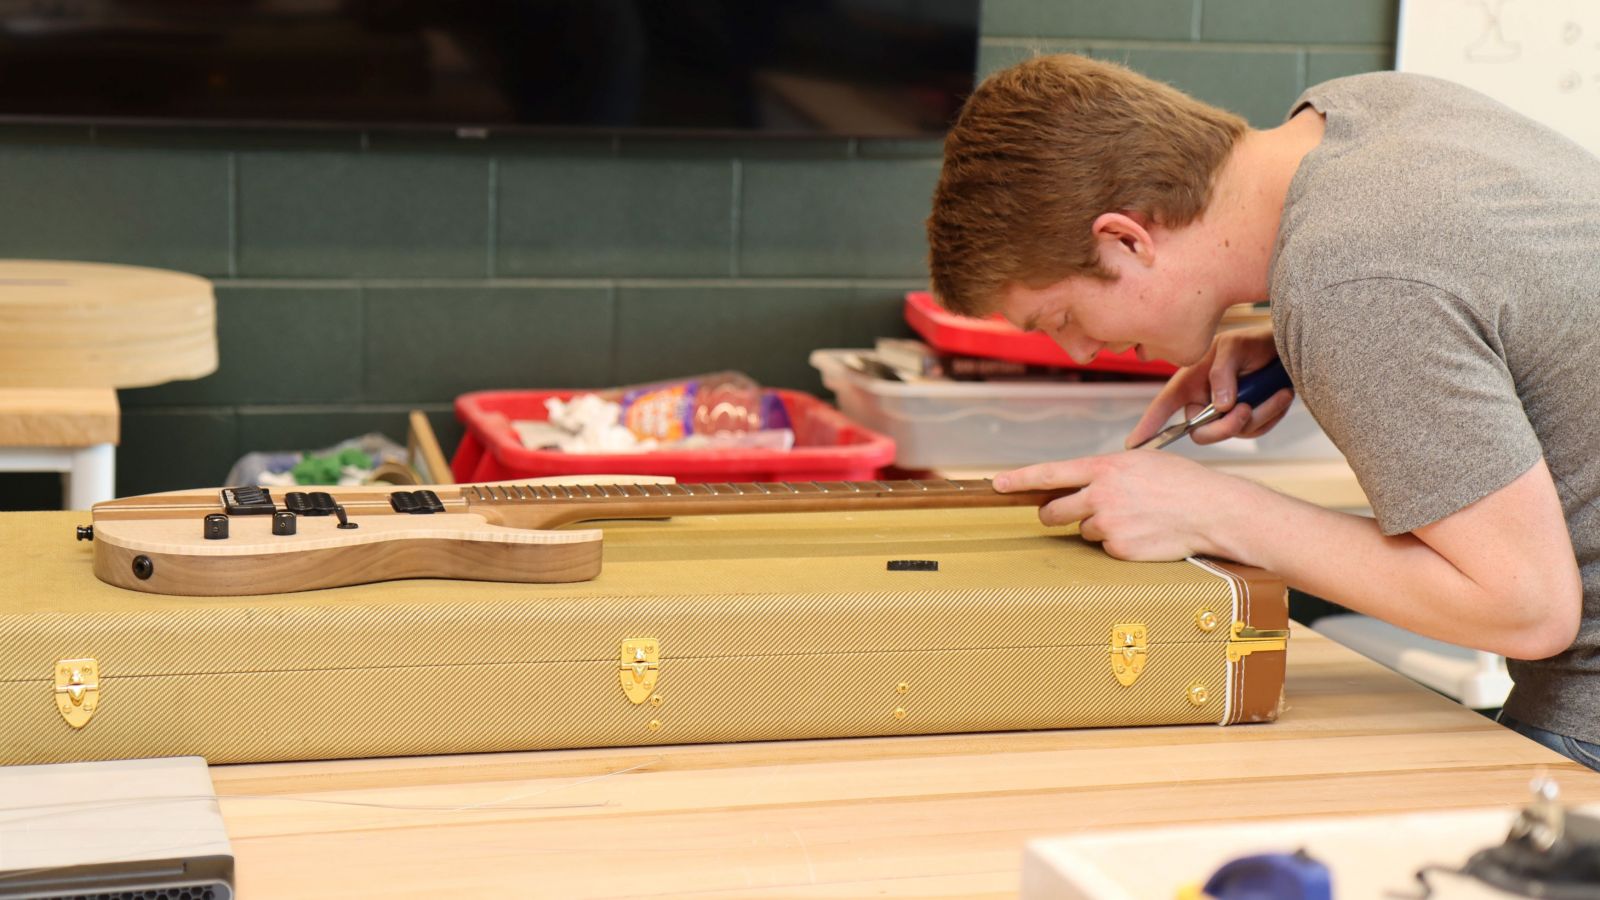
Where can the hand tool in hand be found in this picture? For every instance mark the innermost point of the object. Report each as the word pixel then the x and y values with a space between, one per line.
pixel 1255 389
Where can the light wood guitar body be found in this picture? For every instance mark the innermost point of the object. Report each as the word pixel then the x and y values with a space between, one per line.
pixel 164 544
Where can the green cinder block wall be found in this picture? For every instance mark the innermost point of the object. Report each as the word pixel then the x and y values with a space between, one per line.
pixel 360 275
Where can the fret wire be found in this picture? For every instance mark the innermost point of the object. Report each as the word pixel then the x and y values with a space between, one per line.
pixel 764 488
pixel 884 486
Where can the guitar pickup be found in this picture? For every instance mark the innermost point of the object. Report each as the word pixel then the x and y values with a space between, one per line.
pixel 415 503
pixel 247 501
pixel 313 503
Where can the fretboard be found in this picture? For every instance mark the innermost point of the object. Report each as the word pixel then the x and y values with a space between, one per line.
pixel 549 506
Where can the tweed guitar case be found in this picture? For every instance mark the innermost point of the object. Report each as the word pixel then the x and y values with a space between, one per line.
pixel 696 629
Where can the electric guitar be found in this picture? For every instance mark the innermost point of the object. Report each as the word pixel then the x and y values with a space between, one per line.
pixel 242 540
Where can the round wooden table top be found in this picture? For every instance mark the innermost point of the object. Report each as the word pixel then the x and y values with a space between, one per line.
pixel 77 324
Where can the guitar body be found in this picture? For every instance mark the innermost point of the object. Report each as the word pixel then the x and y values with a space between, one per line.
pixel 171 555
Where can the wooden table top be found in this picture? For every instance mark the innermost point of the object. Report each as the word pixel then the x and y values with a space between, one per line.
pixel 102 325
pixel 58 417
pixel 943 816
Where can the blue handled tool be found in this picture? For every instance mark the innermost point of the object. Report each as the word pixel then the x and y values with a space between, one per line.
pixel 1268 876
pixel 1255 389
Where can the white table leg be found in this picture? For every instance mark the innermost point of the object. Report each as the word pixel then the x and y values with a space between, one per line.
pixel 93 476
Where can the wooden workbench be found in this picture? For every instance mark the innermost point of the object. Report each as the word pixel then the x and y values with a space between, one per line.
pixel 918 816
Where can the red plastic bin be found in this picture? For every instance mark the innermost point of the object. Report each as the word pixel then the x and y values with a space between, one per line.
pixel 995 338
pixel 828 447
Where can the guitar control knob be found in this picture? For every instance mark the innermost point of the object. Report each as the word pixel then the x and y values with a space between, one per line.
pixel 344 520
pixel 283 522
pixel 85 532
pixel 216 527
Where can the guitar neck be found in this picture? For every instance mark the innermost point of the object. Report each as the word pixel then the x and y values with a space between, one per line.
pixel 550 506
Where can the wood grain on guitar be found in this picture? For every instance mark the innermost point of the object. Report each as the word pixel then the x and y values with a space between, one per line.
pixel 254 544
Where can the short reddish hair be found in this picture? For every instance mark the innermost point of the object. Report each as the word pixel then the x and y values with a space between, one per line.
pixel 1043 148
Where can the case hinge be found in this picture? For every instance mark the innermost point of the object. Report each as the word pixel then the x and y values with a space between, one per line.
pixel 77 690
pixel 1247 640
pixel 639 667
pixel 1128 652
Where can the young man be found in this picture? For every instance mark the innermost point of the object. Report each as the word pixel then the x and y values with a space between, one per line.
pixel 1433 263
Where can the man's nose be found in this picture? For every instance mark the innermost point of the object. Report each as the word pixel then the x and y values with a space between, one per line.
pixel 1081 348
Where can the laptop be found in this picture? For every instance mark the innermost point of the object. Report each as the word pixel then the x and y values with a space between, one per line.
pixel 78 830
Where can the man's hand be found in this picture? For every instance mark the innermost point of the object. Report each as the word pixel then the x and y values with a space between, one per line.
pixel 1139 505
pixel 1215 379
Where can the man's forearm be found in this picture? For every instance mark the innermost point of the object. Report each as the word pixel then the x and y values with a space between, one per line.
pixel 1401 579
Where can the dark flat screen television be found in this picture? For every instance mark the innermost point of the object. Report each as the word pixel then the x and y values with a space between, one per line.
pixel 860 68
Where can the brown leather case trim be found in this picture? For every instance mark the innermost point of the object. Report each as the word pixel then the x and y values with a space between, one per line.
pixel 1258 681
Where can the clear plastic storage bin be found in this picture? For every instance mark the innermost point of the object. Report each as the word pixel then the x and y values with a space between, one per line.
pixel 972 424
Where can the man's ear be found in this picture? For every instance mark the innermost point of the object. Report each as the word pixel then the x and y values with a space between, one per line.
pixel 1123 238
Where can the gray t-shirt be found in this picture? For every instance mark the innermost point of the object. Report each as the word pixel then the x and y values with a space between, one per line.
pixel 1436 298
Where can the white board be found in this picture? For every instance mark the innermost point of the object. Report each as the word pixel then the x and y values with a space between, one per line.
pixel 1540 57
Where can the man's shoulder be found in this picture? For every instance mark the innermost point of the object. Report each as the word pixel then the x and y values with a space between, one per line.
pixel 1385 88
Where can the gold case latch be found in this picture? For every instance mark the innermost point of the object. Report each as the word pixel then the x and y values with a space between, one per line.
pixel 1128 652
pixel 1247 640
pixel 77 690
pixel 639 668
